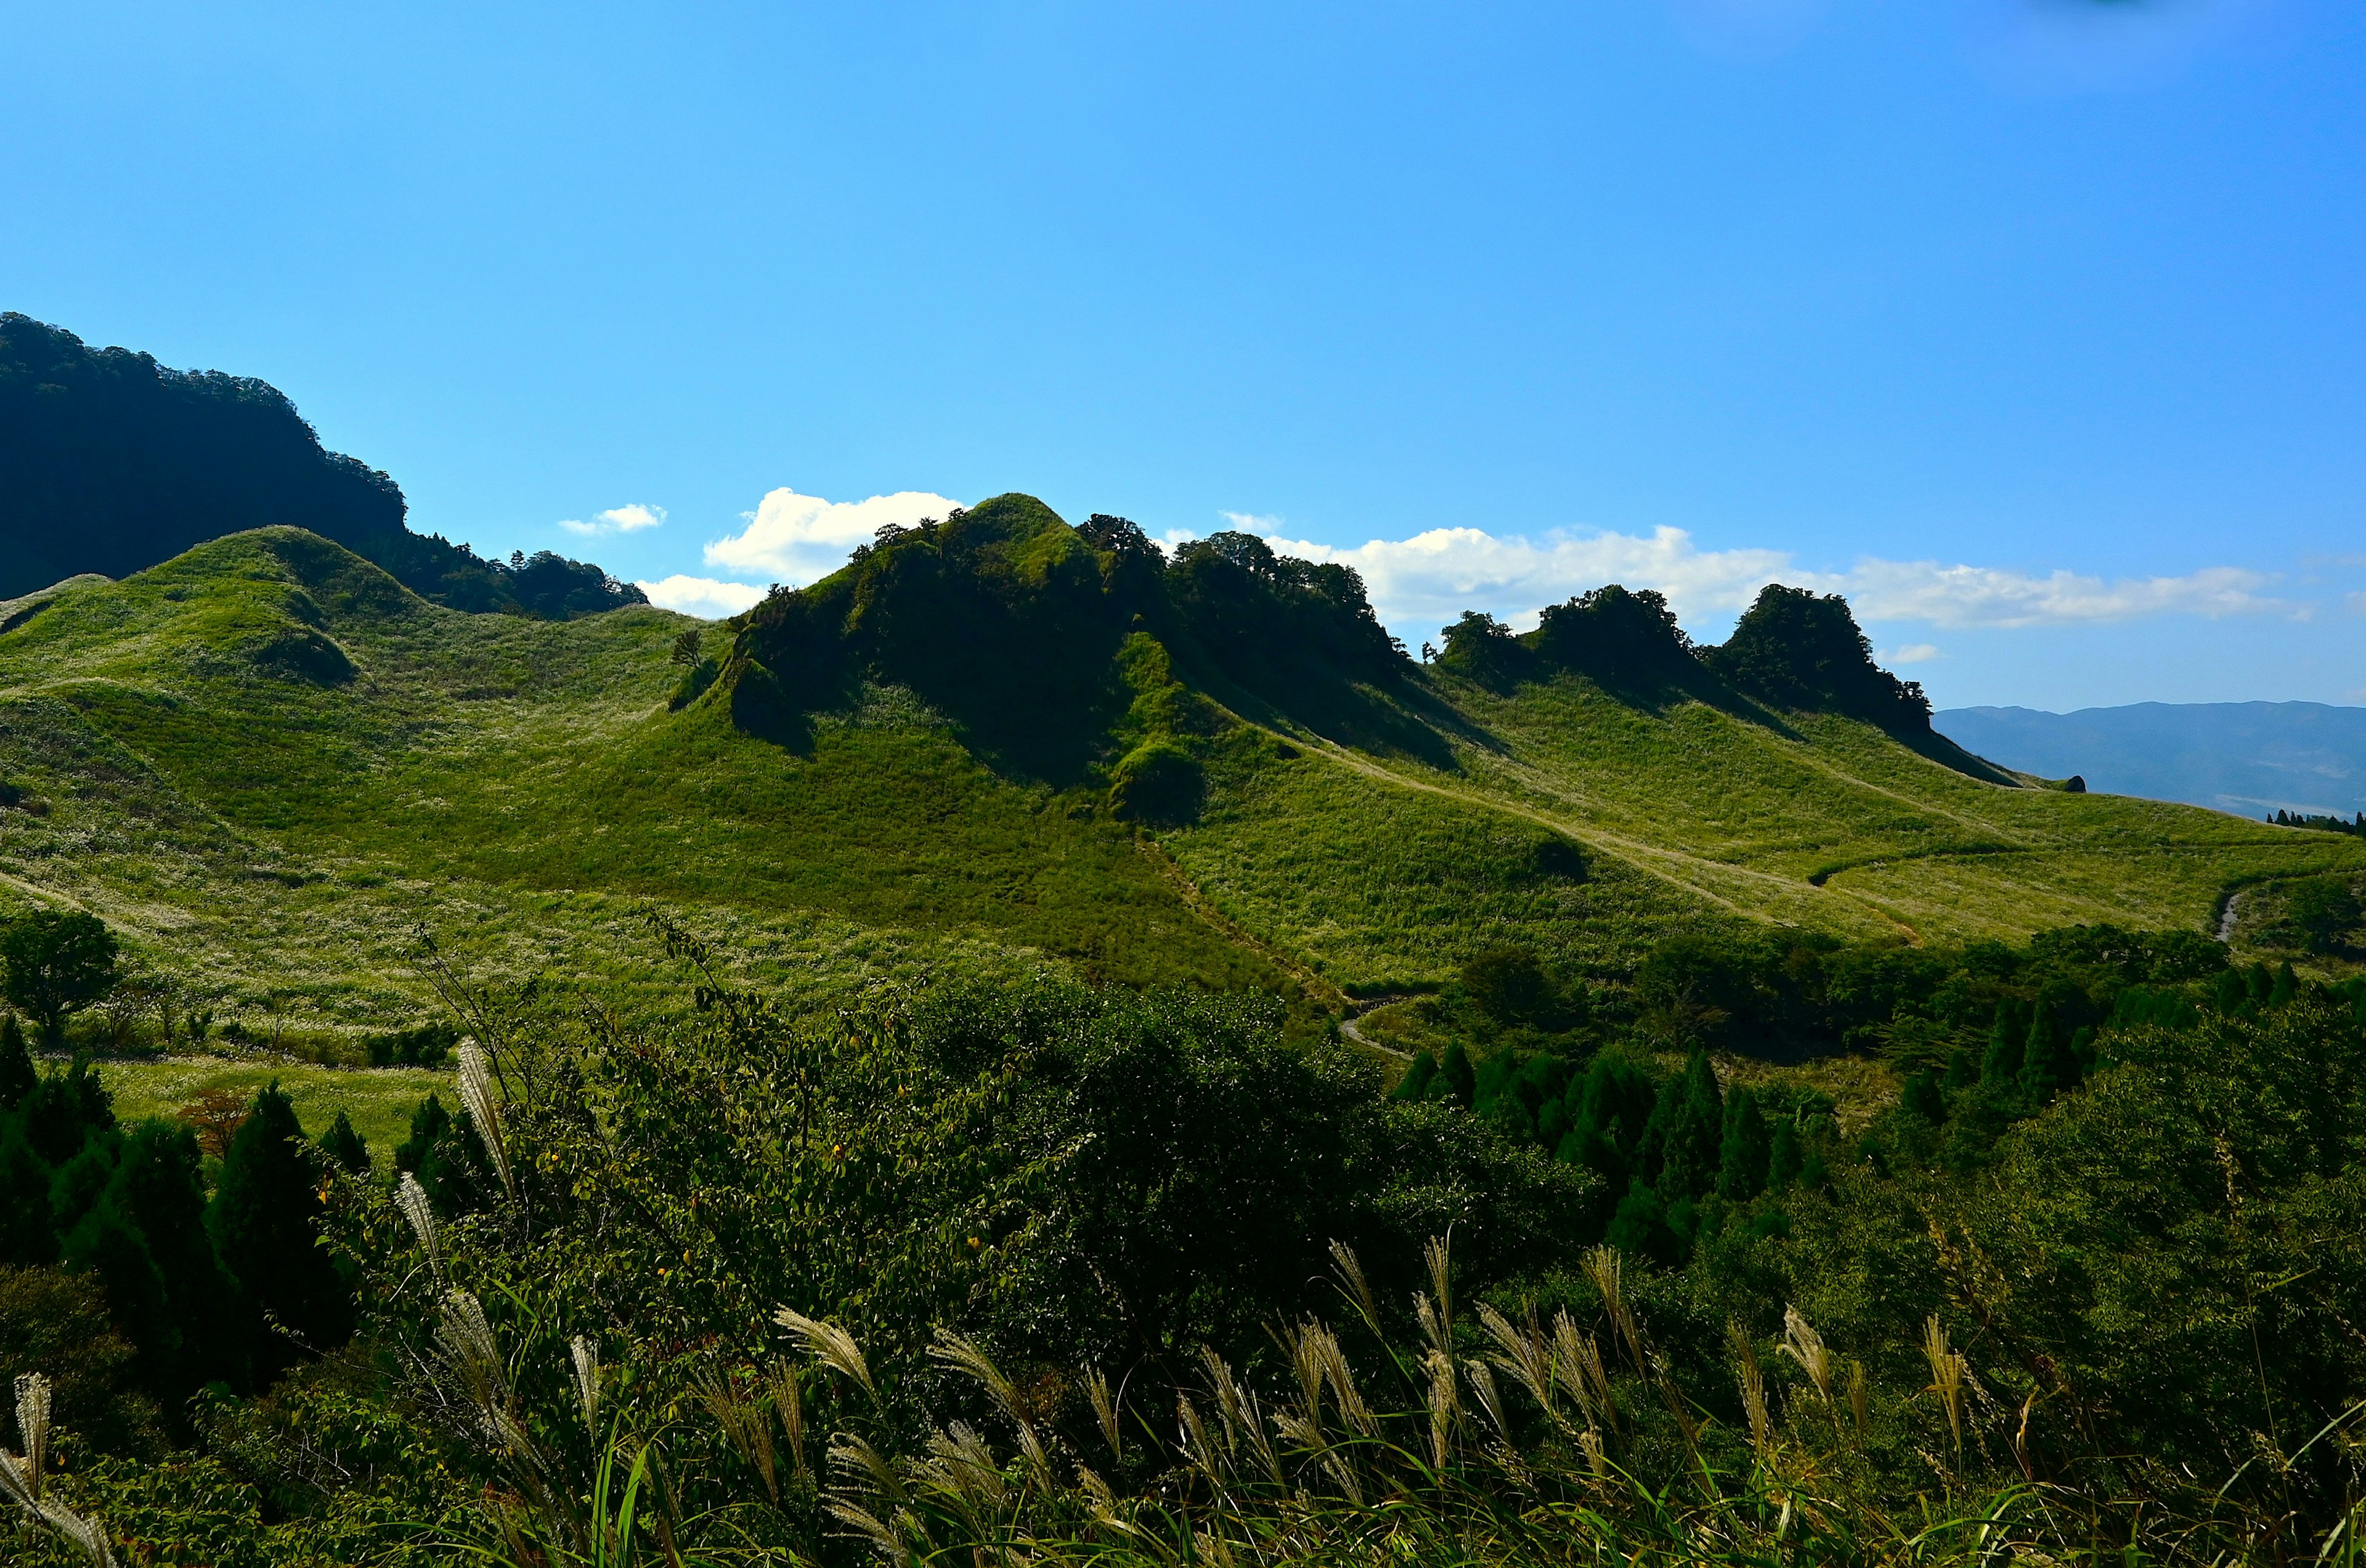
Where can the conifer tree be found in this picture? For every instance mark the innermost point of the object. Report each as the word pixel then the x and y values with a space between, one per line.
pixel 2008 1038
pixel 1961 1072
pixel 2049 1065
pixel 428 1124
pixel 17 1075
pixel 344 1145
pixel 1747 1148
pixel 2286 985
pixel 265 1223
pixel 1923 1098
pixel 1685 1140
pixel 27 1233
pixel 158 1188
pixel 1459 1083
pixel 2259 983
pixel 1784 1157
pixel 106 1242
pixel 2230 993
pixel 1416 1080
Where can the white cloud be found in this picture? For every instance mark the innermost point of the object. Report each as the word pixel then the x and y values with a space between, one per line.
pixel 1425 581
pixel 799 538
pixel 1985 596
pixel 1911 653
pixel 704 597
pixel 617 520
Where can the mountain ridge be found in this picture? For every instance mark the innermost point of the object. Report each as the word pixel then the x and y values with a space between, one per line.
pixel 2250 759
pixel 271 754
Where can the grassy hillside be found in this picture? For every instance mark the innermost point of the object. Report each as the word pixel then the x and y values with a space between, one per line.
pixel 272 766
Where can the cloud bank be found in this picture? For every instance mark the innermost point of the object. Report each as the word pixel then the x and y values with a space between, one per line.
pixel 704 597
pixel 1420 584
pixel 798 538
pixel 617 520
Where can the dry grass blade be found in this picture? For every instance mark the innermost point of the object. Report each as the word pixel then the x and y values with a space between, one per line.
pixel 1753 1387
pixel 1805 1345
pixel 1353 1285
pixel 788 1405
pixel 33 1426
pixel 586 1357
pixel 1946 1378
pixel 476 1094
pixel 411 1199
pixel 1105 1413
pixel 832 1346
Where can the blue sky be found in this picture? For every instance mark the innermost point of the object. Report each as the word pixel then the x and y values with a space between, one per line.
pixel 2036 326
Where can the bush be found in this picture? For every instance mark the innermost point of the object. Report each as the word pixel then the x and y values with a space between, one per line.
pixel 1158 783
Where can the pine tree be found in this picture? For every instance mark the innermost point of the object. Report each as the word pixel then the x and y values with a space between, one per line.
pixel 266 1223
pixel 1783 1159
pixel 105 1242
pixel 2259 983
pixel 1746 1149
pixel 344 1145
pixel 160 1188
pixel 2286 986
pixel 65 1111
pixel 2049 1065
pixel 1459 1082
pixel 27 1234
pixel 1961 1073
pixel 1923 1098
pixel 2229 995
pixel 2007 1038
pixel 1685 1139
pixel 1417 1079
pixel 428 1124
pixel 17 1075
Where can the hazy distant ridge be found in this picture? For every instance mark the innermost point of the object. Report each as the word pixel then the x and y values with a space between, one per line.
pixel 2251 758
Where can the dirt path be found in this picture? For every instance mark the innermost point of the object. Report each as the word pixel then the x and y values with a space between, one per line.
pixel 2226 918
pixel 1347 1028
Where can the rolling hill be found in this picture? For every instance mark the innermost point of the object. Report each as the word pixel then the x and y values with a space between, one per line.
pixel 997 743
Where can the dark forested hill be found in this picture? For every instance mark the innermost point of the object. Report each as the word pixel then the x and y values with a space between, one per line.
pixel 110 463
pixel 2249 758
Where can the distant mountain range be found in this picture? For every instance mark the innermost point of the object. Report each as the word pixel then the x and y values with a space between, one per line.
pixel 2249 758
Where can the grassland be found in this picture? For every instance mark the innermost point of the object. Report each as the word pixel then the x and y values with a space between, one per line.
pixel 378 1100
pixel 274 769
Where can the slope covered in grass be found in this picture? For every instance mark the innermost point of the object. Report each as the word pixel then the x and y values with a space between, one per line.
pixel 273 766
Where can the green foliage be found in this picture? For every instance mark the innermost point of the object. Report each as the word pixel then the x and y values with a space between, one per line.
pixel 2324 913
pixel 17 1075
pixel 57 1324
pixel 265 1223
pixel 123 463
pixel 345 1147
pixel 1797 650
pixel 53 963
pixel 1624 640
pixel 1158 782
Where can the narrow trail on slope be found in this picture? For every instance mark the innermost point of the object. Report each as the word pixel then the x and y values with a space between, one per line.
pixel 1651 858
pixel 2226 919
pixel 1348 1028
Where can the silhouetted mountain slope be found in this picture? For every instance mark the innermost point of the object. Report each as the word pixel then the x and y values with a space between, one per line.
pixel 2250 757
pixel 110 463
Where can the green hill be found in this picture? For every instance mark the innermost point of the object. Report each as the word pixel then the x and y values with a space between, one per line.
pixel 994 742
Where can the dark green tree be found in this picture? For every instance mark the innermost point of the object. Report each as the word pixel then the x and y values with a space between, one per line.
pixel 2228 995
pixel 55 962
pixel 17 1075
pixel 1456 1079
pixel 2324 912
pixel 2048 1063
pixel 2007 1041
pixel 1745 1157
pixel 1416 1082
pixel 266 1223
pixel 1509 985
pixel 1683 1146
pixel 429 1123
pixel 106 1242
pixel 158 1188
pixel 2286 985
pixel 1784 1159
pixel 1923 1098
pixel 65 1111
pixel 27 1233
pixel 1962 1073
pixel 344 1145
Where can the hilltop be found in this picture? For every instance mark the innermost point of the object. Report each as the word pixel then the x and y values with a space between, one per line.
pixel 111 463
pixel 1000 741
